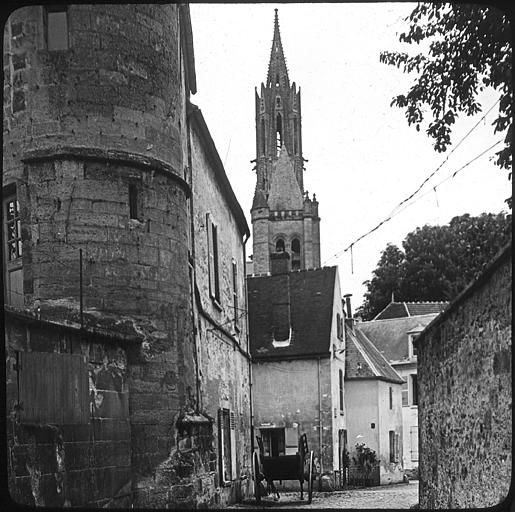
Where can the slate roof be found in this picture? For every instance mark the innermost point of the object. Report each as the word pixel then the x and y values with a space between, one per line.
pixel 364 361
pixel 390 336
pixel 311 311
pixel 404 309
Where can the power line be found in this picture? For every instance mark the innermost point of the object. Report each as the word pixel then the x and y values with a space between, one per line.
pixel 394 213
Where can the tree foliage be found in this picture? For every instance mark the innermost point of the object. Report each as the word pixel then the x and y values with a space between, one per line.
pixel 436 262
pixel 469 50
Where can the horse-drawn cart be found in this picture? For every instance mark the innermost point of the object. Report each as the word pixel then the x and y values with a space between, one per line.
pixel 283 467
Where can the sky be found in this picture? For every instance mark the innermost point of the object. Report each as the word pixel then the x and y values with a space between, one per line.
pixel 363 158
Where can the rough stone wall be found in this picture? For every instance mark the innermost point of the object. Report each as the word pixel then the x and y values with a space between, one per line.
pixel 80 126
pixel 465 397
pixel 116 87
pixel 70 464
pixel 222 346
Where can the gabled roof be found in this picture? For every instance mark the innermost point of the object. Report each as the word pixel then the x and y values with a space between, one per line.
pixel 390 336
pixel 364 361
pixel 311 313
pixel 285 192
pixel 403 309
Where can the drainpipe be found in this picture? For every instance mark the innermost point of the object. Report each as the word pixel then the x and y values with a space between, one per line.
pixel 319 427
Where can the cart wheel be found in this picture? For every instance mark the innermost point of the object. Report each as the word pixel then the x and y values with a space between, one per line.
pixel 255 470
pixel 310 477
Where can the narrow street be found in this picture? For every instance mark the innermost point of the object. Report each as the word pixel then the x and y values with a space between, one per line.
pixel 399 496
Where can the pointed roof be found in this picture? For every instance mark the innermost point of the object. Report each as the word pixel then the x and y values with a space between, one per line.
pixel 364 361
pixel 277 65
pixel 259 200
pixel 285 192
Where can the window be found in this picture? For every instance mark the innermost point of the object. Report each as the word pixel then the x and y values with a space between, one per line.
pixel 277 75
pixel 214 273
pixel 57 27
pixel 404 393
pixel 227 444
pixel 263 137
pixel 12 249
pixel 278 134
pixel 235 295
pixel 279 245
pixel 295 137
pixel 339 326
pixel 340 373
pixel 391 397
pixel 53 388
pixel 133 201
pixel 414 389
pixel 394 446
pixel 278 102
pixel 295 252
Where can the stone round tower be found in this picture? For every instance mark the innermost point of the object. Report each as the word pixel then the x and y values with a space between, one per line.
pixel 94 140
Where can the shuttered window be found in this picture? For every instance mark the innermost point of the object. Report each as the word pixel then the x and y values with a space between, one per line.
pixel 404 393
pixel 53 388
pixel 213 254
pixel 227 444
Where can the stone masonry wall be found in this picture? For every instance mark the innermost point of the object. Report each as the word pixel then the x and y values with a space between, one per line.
pixel 70 464
pixel 465 396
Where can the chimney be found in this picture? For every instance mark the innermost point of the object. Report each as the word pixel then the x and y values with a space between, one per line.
pixel 349 320
pixel 280 263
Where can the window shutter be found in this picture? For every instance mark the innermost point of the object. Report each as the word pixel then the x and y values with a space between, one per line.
pixel 404 393
pixel 233 446
pixel 414 442
pixel 397 448
pixel 210 255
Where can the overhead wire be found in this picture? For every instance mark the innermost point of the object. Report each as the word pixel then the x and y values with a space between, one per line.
pixel 397 210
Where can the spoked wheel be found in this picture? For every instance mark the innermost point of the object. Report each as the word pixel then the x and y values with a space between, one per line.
pixel 310 477
pixel 255 471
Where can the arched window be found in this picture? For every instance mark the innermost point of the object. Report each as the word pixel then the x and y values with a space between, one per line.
pixel 295 254
pixel 295 137
pixel 263 137
pixel 278 102
pixel 277 80
pixel 278 134
pixel 279 245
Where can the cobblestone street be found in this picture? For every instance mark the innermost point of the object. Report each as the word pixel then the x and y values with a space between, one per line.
pixel 397 496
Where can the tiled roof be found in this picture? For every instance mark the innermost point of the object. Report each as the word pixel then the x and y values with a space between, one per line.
pixel 390 336
pixel 311 309
pixel 363 360
pixel 403 309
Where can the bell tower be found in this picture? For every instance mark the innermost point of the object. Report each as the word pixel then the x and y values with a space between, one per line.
pixel 284 218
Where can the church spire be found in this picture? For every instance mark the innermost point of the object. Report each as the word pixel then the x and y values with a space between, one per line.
pixel 277 70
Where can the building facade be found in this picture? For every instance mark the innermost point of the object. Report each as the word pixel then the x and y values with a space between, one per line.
pixel 373 392
pixel 107 300
pixel 466 402
pixel 298 365
pixel 284 217
pixel 393 332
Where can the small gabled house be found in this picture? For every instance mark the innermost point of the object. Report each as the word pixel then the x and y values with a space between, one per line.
pixel 393 332
pixel 297 344
pixel 374 411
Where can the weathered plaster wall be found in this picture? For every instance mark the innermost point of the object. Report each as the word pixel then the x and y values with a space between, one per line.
pixel 465 408
pixel 389 419
pixel 285 394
